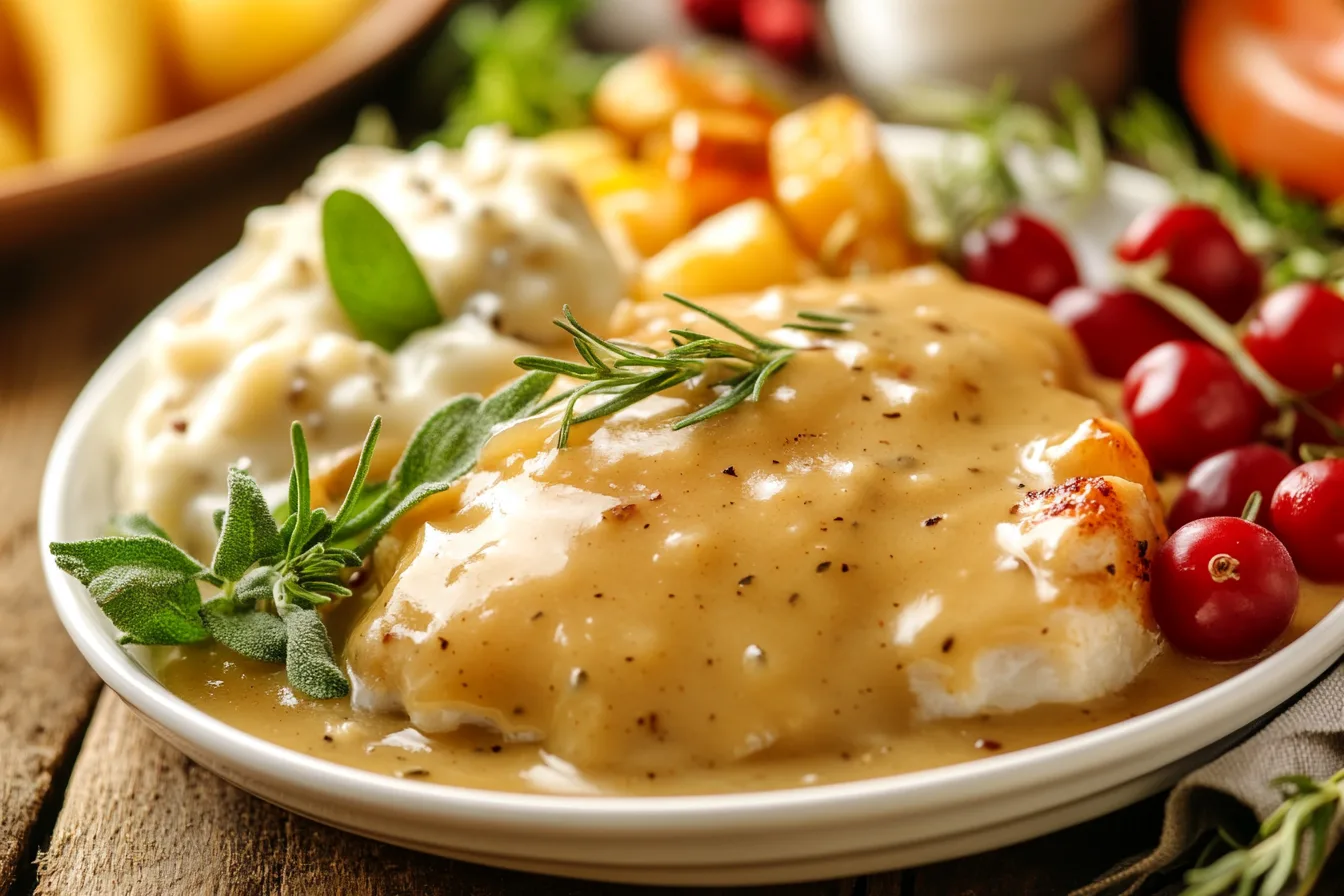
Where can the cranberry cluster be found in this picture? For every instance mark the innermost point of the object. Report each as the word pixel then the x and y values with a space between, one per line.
pixel 1224 586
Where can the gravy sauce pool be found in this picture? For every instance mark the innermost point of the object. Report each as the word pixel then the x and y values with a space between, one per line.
pixel 737 605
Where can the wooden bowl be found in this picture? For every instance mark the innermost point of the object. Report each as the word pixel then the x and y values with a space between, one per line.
pixel 48 197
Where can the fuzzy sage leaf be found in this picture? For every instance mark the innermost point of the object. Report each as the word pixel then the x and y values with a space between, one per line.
pixel 373 274
pixel 251 632
pixel 274 577
pixel 133 524
pixel 248 533
pixel 446 447
pixel 309 660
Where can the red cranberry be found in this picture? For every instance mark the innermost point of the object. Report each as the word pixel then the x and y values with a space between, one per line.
pixel 1115 326
pixel 1019 254
pixel 1308 512
pixel 1297 335
pixel 1220 485
pixel 718 16
pixel 1203 256
pixel 1223 589
pixel 1186 401
pixel 785 30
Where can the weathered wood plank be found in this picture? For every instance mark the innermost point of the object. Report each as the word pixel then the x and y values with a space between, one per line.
pixel 63 311
pixel 140 819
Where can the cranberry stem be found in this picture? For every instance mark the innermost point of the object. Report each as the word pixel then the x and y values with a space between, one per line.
pixel 1252 508
pixel 1146 277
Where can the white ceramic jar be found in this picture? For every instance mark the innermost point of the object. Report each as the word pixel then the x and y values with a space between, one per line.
pixel 884 44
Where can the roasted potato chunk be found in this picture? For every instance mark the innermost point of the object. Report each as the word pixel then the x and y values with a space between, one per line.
pixel 720 156
pixel 640 204
pixel 836 190
pixel 641 93
pixel 582 152
pixel 743 248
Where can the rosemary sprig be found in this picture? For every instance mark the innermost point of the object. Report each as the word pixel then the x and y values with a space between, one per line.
pixel 967 189
pixel 272 577
pixel 1272 857
pixel 628 372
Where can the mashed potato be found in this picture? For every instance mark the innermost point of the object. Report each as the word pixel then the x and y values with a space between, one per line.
pixel 504 242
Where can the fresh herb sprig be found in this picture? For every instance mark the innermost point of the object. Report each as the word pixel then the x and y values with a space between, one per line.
pixel 967 188
pixel 1267 865
pixel 522 68
pixel 1302 239
pixel 272 577
pixel 629 372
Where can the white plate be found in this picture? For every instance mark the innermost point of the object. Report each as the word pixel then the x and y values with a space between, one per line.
pixel 728 839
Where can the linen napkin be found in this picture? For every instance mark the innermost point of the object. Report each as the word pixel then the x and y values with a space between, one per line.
pixel 1307 738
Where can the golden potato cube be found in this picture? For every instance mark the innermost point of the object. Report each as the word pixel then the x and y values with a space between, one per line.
pixel 744 248
pixel 836 190
pixel 579 151
pixel 640 202
pixel 641 93
pixel 720 155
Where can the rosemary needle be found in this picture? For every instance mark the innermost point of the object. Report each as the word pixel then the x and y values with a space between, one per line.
pixel 628 372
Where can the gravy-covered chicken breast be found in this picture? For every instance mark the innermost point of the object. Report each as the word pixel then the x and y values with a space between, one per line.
pixel 926 516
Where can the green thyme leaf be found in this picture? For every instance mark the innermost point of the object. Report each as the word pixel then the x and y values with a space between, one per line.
pixel 309 660
pixel 374 275
pixel 254 634
pixel 447 445
pixel 133 524
pixel 249 533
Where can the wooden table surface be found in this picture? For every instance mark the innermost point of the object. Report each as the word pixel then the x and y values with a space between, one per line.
pixel 90 801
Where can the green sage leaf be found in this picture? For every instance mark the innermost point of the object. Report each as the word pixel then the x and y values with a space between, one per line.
pixel 447 445
pixel 149 605
pixel 255 634
pixel 309 660
pixel 256 586
pixel 375 277
pixel 133 524
pixel 87 559
pixel 249 533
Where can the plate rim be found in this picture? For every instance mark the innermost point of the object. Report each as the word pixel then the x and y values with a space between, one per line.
pixel 1120 751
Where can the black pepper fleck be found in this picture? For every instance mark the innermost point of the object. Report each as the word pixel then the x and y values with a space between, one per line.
pixel 933 520
pixel 823 566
